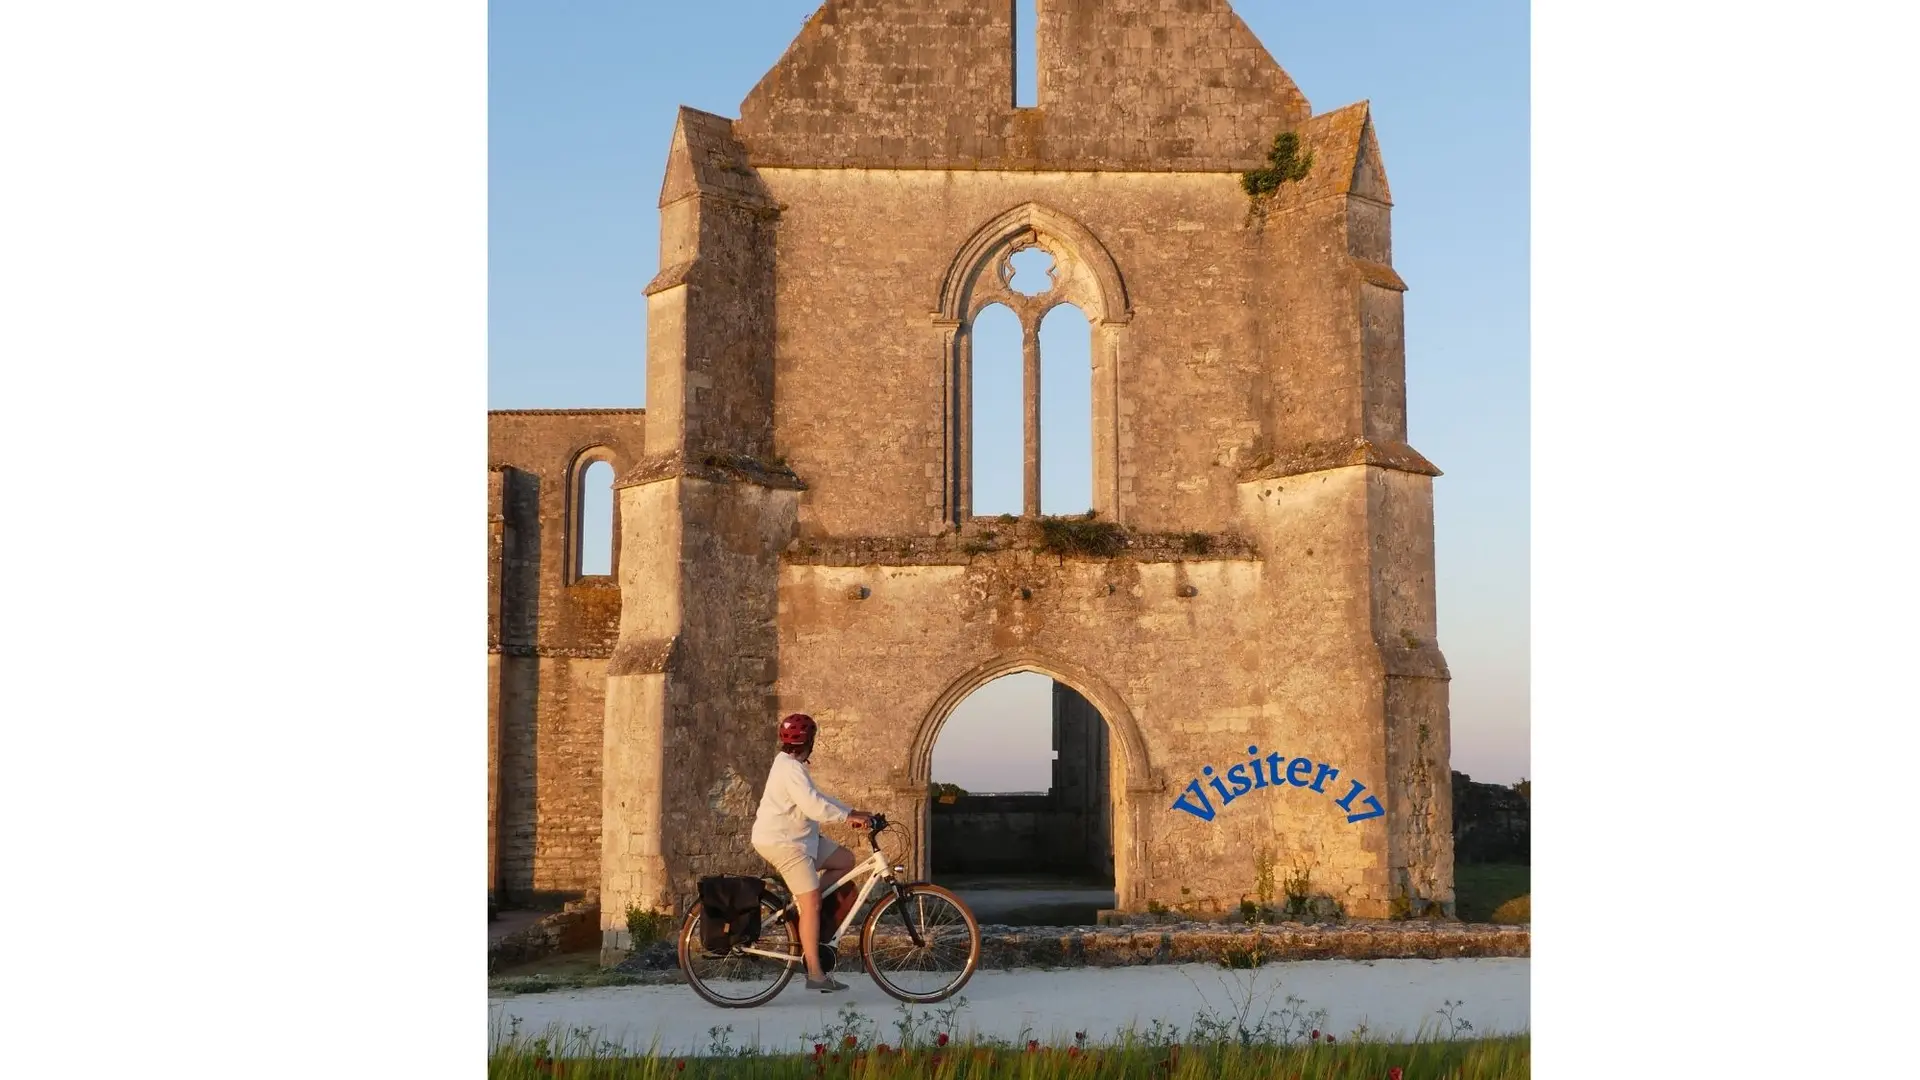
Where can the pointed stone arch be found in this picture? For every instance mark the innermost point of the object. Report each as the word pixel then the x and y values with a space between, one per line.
pixel 1033 224
pixel 1136 782
pixel 1086 276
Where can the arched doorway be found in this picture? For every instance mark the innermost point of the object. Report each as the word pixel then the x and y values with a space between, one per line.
pixel 1028 809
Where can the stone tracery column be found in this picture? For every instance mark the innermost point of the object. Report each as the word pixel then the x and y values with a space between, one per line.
pixel 1030 355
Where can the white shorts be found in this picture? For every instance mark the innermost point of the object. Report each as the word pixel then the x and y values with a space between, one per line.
pixel 797 866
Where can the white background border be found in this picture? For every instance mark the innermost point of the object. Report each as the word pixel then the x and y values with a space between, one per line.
pixel 242 288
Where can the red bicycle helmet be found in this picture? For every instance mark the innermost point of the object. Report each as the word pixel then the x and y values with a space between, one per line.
pixel 797 729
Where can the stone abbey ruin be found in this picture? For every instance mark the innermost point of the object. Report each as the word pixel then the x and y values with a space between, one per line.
pixel 1250 606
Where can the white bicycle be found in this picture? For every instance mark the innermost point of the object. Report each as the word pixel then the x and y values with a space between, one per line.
pixel 920 943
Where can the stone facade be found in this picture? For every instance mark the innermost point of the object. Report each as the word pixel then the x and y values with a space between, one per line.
pixel 795 524
pixel 550 630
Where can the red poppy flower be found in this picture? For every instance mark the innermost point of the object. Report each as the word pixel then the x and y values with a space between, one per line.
pixel 940 1039
pixel 1073 1051
pixel 849 1042
pixel 883 1048
pixel 819 1048
pixel 679 1066
pixel 1315 1037
pixel 1393 1073
pixel 1329 1036
pixel 1032 1045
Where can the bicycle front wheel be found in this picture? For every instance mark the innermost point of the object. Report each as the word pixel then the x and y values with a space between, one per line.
pixel 948 950
pixel 741 980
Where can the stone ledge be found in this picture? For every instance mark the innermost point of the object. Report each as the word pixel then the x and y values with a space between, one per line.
pixel 714 468
pixel 561 412
pixel 565 652
pixel 1011 545
pixel 563 931
pixel 1379 274
pixel 643 657
pixel 1338 454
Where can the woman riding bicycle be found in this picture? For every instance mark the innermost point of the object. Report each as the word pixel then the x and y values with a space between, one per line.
pixel 786 833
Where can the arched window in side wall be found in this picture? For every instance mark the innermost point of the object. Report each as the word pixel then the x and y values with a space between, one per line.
pixel 593 522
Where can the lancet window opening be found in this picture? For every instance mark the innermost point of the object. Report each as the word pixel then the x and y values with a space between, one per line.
pixel 593 542
pixel 1028 289
pixel 1032 261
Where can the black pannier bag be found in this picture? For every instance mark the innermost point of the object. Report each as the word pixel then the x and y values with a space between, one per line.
pixel 729 912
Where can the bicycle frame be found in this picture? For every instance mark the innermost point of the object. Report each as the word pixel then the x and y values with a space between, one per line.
pixel 873 867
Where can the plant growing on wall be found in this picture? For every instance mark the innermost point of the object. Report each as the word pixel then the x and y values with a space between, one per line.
pixel 1084 535
pixel 646 927
pixel 1299 887
pixel 1285 163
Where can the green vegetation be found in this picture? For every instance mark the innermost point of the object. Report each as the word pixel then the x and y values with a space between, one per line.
pixel 1083 535
pixel 647 927
pixel 1229 1045
pixel 1492 893
pixel 1284 163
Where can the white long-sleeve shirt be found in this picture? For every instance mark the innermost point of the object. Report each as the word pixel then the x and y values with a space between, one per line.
pixel 792 809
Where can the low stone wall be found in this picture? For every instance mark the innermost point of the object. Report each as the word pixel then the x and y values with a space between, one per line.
pixel 1208 943
pixel 1011 834
pixel 1003 834
pixel 1005 947
pixel 574 928
pixel 1212 943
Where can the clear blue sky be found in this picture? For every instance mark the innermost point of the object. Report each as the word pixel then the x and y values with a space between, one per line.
pixel 582 103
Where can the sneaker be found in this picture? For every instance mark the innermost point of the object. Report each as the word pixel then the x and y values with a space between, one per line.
pixel 827 985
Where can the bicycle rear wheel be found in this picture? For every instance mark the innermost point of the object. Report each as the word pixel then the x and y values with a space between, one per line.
pixel 739 980
pixel 943 961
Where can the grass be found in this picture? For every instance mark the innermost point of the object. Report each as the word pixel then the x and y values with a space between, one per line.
pixel 1213 1048
pixel 1478 1059
pixel 1493 893
pixel 1228 1045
